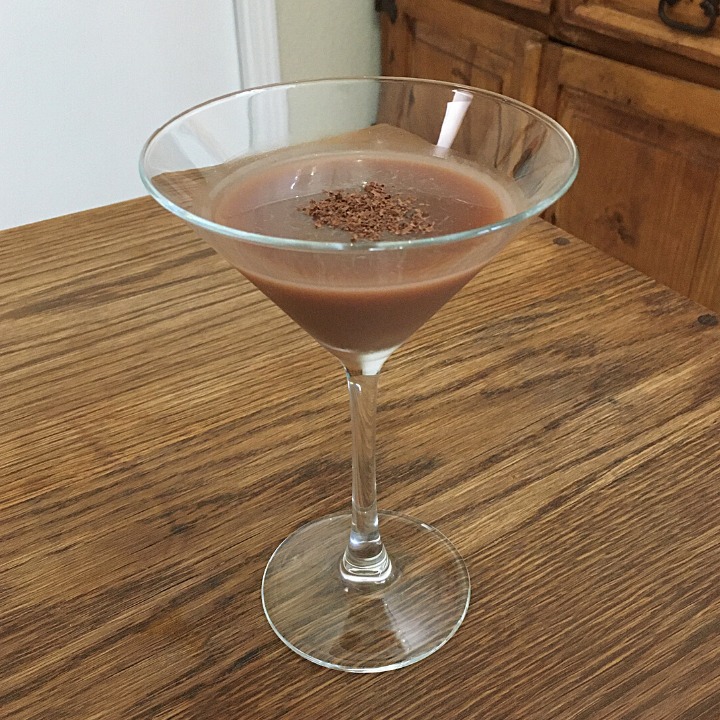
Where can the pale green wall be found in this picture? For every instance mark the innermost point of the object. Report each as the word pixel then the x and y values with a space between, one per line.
pixel 327 38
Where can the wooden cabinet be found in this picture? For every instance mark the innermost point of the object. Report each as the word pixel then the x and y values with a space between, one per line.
pixel 451 41
pixel 650 154
pixel 648 190
pixel 637 21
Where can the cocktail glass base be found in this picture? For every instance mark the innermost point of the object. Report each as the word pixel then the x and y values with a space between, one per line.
pixel 365 628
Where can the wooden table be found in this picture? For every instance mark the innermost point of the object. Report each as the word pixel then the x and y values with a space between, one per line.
pixel 164 427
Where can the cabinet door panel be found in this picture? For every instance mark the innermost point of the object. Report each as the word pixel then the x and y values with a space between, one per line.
pixel 647 191
pixel 448 40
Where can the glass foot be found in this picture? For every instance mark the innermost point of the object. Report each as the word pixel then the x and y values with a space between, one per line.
pixel 365 629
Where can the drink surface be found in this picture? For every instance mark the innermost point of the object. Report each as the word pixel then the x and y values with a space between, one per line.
pixel 360 302
pixel 266 201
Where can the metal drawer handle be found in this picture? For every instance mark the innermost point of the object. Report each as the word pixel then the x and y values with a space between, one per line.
pixel 711 8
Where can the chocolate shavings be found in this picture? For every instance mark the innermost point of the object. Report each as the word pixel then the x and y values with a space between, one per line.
pixel 369 213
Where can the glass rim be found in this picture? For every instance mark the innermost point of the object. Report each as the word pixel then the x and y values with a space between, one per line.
pixel 359 245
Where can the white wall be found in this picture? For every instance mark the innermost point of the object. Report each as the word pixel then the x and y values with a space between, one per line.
pixel 328 38
pixel 84 82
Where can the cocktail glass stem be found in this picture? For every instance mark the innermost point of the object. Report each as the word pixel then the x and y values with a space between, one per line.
pixel 365 561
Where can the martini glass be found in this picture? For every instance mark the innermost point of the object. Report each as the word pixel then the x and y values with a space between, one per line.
pixel 362 591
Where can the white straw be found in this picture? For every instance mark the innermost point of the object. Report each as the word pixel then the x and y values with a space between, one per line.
pixel 454 115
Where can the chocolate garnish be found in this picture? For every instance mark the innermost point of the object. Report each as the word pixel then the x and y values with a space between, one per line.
pixel 369 213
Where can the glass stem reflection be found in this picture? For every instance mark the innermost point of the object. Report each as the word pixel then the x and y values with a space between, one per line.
pixel 365 561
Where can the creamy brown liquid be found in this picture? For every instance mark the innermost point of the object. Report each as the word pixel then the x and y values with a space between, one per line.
pixel 266 202
pixel 344 302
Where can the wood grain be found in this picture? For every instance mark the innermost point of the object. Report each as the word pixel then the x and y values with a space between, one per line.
pixel 660 212
pixel 648 189
pixel 637 21
pixel 460 44
pixel 165 427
